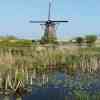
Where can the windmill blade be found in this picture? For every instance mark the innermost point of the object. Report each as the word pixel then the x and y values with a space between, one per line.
pixel 37 21
pixel 49 12
pixel 61 21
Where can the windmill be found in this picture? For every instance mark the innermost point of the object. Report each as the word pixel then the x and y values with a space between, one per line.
pixel 50 26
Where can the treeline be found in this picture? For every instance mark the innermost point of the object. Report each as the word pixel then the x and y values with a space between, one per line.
pixel 14 41
pixel 89 40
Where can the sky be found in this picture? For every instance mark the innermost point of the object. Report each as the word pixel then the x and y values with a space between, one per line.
pixel 84 17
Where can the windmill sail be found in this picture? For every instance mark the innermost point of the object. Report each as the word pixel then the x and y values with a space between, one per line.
pixel 49 12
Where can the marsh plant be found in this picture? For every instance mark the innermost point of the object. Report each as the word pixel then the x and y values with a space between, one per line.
pixel 17 64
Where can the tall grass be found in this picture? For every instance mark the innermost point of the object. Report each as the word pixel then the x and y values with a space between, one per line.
pixel 19 62
pixel 42 58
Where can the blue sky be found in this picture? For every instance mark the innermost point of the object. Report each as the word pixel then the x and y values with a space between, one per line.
pixel 15 14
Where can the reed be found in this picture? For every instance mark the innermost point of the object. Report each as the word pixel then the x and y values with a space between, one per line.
pixel 21 62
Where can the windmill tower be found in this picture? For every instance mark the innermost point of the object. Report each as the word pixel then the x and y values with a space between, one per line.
pixel 50 30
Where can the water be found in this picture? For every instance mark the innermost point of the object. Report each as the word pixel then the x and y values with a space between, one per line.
pixel 46 94
pixel 64 87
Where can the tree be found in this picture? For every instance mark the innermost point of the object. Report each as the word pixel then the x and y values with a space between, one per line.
pixel 90 40
pixel 79 40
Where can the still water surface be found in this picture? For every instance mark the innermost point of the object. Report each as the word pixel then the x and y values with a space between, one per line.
pixel 61 86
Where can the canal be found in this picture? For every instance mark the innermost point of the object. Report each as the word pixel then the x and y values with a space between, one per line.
pixel 60 86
